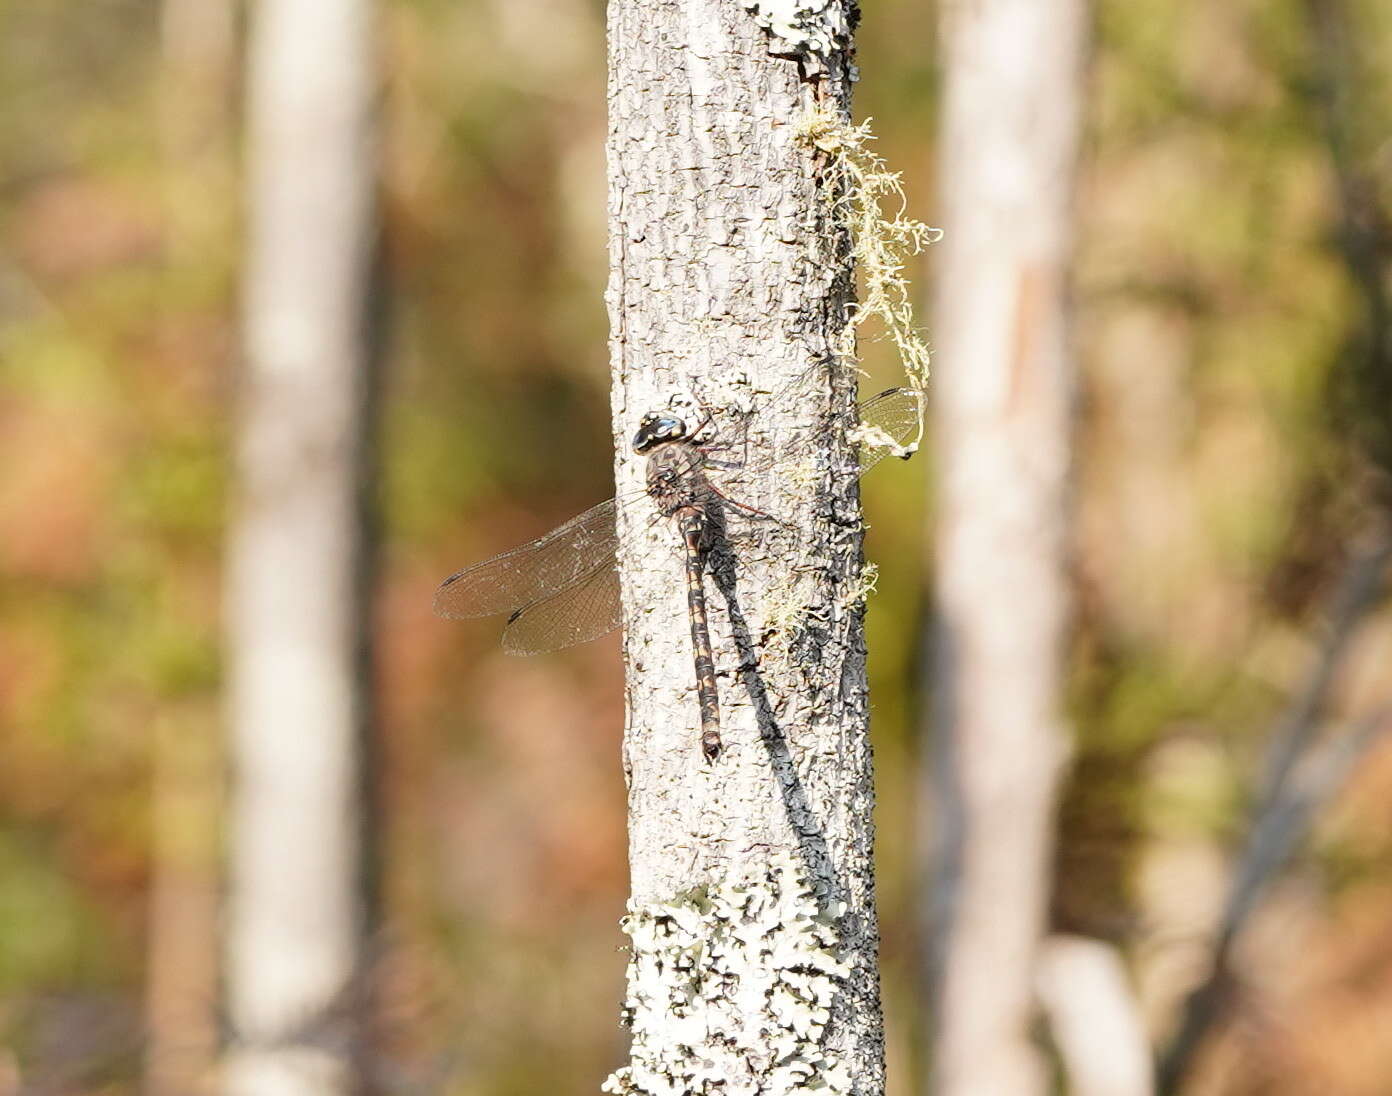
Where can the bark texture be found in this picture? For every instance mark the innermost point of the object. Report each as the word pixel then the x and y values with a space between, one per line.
pixel 755 938
pixel 1003 380
pixel 297 591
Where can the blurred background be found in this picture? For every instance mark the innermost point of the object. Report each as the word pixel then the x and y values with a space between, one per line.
pixel 1234 444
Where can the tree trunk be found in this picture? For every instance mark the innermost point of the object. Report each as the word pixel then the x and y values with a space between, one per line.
pixel 1094 1018
pixel 1002 392
pixel 197 57
pixel 754 959
pixel 298 554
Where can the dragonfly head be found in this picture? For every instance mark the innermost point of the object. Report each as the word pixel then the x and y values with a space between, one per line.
pixel 657 428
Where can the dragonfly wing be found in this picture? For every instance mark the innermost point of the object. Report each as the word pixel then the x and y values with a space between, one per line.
pixel 888 421
pixel 582 611
pixel 568 556
pixel 898 412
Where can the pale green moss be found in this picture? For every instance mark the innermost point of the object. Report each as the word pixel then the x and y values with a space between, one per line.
pixel 868 199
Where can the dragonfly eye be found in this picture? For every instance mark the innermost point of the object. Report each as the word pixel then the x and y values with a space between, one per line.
pixel 656 428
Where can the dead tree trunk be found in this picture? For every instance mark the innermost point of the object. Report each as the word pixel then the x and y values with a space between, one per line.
pixel 1008 147
pixel 754 961
pixel 297 558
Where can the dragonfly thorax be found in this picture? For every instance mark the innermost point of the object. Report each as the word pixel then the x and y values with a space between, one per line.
pixel 675 479
pixel 563 587
pixel 657 428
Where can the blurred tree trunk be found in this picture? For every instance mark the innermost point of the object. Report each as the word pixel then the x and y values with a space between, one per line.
pixel 1011 119
pixel 752 875
pixel 197 51
pixel 297 595
pixel 1094 1018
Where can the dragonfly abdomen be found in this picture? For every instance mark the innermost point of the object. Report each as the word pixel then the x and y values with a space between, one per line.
pixel 693 531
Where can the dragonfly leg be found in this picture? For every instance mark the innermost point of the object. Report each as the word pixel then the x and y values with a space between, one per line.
pixel 745 506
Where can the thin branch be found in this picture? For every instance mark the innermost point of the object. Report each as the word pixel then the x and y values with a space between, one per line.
pixel 1277 834
pixel 1313 782
pixel 1299 778
pixel 1358 590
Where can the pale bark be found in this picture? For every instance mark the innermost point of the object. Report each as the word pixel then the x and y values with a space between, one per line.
pixel 1002 393
pixel 296 594
pixel 1094 1019
pixel 730 278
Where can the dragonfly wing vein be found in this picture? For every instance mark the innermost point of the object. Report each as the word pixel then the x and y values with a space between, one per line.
pixel 563 587
pixel 582 611
pixel 567 556
pixel 898 412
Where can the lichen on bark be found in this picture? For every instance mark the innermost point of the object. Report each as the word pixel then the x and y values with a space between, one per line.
pixel 817 31
pixel 730 988
pixel 731 278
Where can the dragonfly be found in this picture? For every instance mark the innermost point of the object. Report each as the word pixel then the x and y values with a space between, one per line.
pixel 563 588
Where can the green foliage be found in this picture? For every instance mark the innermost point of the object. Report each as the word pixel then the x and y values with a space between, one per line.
pixel 49 934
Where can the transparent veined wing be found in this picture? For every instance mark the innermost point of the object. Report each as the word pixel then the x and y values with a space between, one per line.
pixel 512 580
pixel 890 422
pixel 898 412
pixel 582 611
pixel 563 588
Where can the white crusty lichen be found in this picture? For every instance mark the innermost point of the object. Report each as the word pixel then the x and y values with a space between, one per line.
pixel 813 29
pixel 730 989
